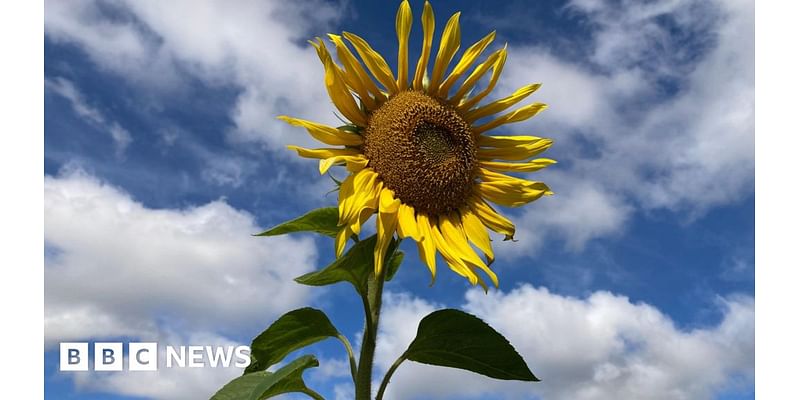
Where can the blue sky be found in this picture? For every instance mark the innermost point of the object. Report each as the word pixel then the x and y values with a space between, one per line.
pixel 162 155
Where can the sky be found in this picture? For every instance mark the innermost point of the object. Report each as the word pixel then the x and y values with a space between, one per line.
pixel 163 155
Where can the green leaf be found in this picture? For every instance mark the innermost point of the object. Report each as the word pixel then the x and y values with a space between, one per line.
pixel 394 265
pixel 453 338
pixel 293 330
pixel 263 384
pixel 322 220
pixel 354 266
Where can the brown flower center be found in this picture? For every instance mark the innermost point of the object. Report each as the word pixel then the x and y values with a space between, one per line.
pixel 422 150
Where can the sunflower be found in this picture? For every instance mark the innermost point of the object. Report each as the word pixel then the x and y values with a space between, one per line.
pixel 417 150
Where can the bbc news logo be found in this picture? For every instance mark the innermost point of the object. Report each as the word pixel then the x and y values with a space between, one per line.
pixel 109 356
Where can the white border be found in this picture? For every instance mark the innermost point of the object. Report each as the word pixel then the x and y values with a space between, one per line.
pixel 21 215
pixel 777 201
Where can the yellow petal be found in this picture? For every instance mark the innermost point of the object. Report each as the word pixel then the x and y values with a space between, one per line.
pixel 352 79
pixel 337 88
pixel 517 115
pixel 529 166
pixel 450 227
pixel 354 163
pixel 507 141
pixel 491 218
pixel 426 246
pixel 487 175
pixel 341 240
pixel 323 153
pixel 502 104
pixel 453 233
pixel 374 61
pixel 507 149
pixel 476 233
pixel 322 51
pixel 495 62
pixel 346 190
pixel 512 193
pixel 326 134
pixel 387 202
pixel 403 27
pixel 498 179
pixel 367 208
pixel 351 229
pixel 453 261
pixel 515 191
pixel 448 46
pixel 407 223
pixel 357 192
pixel 386 224
pixel 428 26
pixel 369 92
pixel 467 59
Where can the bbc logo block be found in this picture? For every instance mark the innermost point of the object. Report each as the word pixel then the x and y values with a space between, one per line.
pixel 74 356
pixel 143 356
pixel 108 356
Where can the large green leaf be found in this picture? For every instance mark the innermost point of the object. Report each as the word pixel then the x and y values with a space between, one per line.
pixel 293 330
pixel 453 338
pixel 263 384
pixel 322 220
pixel 354 266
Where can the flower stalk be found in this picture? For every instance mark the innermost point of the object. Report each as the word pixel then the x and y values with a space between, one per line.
pixel 372 311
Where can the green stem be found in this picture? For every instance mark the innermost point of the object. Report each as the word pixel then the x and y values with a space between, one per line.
pixel 372 305
pixel 353 369
pixel 388 376
pixel 314 395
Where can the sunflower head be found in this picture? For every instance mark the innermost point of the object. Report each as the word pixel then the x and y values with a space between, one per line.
pixel 417 149
pixel 423 150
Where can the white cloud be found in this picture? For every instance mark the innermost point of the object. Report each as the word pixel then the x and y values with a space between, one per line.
pixel 659 46
pixel 709 129
pixel 329 369
pixel 575 96
pixel 576 215
pixel 599 347
pixel 257 46
pixel 626 144
pixel 116 267
pixel 122 138
pixel 738 268
pixel 65 88
pixel 116 45
pixel 343 392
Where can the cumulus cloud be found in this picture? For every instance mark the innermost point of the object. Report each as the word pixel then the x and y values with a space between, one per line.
pixel 581 212
pixel 258 46
pixel 632 141
pixel 115 267
pixel 65 88
pixel 600 347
